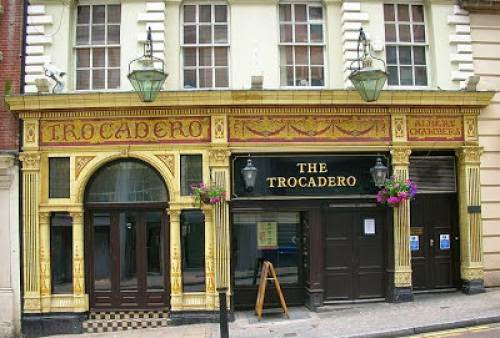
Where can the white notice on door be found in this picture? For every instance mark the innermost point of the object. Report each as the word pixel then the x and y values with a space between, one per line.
pixel 369 226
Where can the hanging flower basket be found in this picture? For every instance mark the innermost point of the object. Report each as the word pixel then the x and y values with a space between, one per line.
pixel 207 194
pixel 395 191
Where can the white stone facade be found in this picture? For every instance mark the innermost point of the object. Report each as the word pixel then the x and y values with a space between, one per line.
pixel 253 40
pixel 10 306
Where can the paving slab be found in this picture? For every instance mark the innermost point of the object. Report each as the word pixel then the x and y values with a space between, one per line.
pixel 429 312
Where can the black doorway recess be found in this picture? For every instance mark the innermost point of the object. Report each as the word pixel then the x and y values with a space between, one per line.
pixel 354 260
pixel 126 230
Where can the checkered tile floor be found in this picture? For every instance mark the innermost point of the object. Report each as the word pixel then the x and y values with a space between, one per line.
pixel 124 320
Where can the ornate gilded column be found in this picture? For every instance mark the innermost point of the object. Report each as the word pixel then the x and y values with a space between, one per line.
pixel 175 260
pixel 79 296
pixel 210 293
pixel 30 230
pixel 45 271
pixel 401 218
pixel 471 238
pixel 220 173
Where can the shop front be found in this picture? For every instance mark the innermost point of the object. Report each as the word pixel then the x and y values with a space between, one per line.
pixel 109 223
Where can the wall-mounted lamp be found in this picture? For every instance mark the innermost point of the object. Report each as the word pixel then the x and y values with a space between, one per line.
pixel 379 173
pixel 367 80
pixel 249 174
pixel 143 74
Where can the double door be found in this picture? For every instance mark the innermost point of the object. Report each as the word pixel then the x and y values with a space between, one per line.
pixel 127 258
pixel 354 257
pixel 434 241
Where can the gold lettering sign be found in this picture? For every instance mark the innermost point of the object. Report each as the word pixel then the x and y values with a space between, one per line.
pixel 311 181
pixel 276 128
pixel 435 128
pixel 79 132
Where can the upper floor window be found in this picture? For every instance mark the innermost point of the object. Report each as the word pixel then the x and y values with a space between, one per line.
pixel 205 46
pixel 405 44
pixel 302 46
pixel 98 47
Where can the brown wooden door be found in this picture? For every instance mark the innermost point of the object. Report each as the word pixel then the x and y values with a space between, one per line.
pixel 434 262
pixel 128 258
pixel 354 254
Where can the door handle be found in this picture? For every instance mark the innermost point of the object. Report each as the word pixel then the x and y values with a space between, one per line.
pixel 431 242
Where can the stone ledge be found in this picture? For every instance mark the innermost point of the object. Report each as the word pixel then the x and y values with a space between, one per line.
pixel 165 99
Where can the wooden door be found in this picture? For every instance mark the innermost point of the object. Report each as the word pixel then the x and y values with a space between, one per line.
pixel 354 254
pixel 434 225
pixel 128 259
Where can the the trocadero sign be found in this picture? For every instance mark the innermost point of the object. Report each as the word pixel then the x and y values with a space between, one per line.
pixel 301 175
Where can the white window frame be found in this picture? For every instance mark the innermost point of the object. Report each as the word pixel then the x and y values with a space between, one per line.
pixel 308 44
pixel 211 45
pixel 411 44
pixel 90 47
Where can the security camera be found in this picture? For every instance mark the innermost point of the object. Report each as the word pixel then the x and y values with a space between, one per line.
pixel 55 74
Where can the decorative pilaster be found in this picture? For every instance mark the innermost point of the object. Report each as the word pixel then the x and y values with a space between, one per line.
pixel 30 230
pixel 78 255
pixel 219 165
pixel 45 271
pixel 402 255
pixel 209 258
pixel 471 238
pixel 175 260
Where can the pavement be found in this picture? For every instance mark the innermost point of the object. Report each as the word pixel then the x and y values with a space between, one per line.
pixel 427 313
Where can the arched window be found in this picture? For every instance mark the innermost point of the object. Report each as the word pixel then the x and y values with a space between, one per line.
pixel 126 181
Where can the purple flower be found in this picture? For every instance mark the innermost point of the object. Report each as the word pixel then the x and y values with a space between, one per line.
pixel 214 200
pixel 403 195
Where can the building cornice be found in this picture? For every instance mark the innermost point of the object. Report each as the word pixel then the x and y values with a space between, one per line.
pixel 480 5
pixel 172 99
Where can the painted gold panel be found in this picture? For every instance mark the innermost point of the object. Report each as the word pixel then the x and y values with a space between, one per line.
pixel 279 128
pixel 435 128
pixel 81 132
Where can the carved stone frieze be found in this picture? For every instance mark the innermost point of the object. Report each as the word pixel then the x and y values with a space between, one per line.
pixel 169 161
pixel 80 163
pixel 470 127
pixel 399 127
pixel 219 128
pixel 29 133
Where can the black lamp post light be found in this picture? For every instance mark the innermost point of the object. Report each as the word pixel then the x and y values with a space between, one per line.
pixel 147 73
pixel 367 80
pixel 379 173
pixel 249 173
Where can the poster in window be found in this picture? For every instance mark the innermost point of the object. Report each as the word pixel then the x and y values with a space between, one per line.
pixel 267 235
pixel 414 243
pixel 444 241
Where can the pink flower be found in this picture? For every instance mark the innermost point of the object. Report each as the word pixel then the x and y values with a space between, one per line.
pixel 393 200
pixel 403 195
pixel 214 200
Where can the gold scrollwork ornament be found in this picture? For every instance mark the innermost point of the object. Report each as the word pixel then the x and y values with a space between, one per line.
pixel 31 161
pixel 400 156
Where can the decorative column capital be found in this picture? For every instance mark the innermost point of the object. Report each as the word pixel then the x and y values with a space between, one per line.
pixel 44 217
pixel 31 161
pixel 174 213
pixel 400 155
pixel 219 157
pixel 470 155
pixel 77 216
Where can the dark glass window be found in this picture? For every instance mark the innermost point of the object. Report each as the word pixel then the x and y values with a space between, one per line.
pixel 193 250
pixel 61 253
pixel 102 250
pixel 127 181
pixel 191 172
pixel 268 236
pixel 59 177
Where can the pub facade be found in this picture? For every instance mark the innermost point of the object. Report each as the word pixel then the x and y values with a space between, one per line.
pixel 110 231
pixel 109 223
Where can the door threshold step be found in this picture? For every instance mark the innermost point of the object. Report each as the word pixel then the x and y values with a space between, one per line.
pixel 135 314
pixel 112 321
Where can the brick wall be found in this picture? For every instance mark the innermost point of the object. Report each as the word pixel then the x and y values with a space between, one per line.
pixel 11 24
